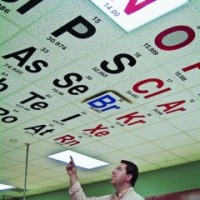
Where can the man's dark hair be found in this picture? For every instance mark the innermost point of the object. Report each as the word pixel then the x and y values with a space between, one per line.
pixel 132 169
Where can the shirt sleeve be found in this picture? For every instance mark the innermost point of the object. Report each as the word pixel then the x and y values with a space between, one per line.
pixel 76 193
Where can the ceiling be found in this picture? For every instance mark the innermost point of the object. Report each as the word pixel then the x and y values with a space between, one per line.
pixel 96 89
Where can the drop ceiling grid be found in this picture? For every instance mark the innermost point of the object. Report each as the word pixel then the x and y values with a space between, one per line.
pixel 164 140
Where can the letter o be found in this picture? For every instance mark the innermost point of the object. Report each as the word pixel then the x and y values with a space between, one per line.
pixel 190 32
pixel 9 119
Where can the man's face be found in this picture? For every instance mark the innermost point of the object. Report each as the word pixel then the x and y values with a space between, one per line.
pixel 119 175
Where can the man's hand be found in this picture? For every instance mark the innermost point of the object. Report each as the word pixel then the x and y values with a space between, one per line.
pixel 71 168
pixel 72 172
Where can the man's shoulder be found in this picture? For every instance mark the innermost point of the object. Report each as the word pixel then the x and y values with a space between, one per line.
pixel 136 196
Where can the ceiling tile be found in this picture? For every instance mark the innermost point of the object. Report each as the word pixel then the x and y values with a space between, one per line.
pixel 12 117
pixel 39 129
pixel 9 174
pixel 134 118
pixel 37 62
pixel 175 141
pixel 6 163
pixel 185 70
pixel 186 151
pixel 160 157
pixel 98 130
pixel 15 139
pixel 194 134
pixel 5 148
pixel 70 116
pixel 31 169
pixel 9 31
pixel 156 131
pixel 94 149
pixel 170 163
pixel 45 162
pixel 60 17
pixel 44 148
pixel 114 157
pixel 149 168
pixel 20 155
pixel 187 122
pixel 32 13
pixel 123 140
pixel 143 149
pixel 174 105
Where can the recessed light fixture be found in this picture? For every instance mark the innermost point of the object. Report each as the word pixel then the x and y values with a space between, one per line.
pixel 79 159
pixel 5 187
pixel 131 14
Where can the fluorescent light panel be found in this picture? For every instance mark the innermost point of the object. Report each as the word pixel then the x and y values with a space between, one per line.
pixel 5 187
pixel 80 160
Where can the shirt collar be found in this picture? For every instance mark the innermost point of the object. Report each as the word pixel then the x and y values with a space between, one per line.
pixel 122 194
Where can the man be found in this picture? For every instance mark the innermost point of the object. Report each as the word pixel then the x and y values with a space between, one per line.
pixel 123 179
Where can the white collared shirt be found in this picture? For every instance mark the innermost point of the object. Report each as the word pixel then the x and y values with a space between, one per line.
pixel 76 193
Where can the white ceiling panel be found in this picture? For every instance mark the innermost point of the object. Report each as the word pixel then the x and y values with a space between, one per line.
pixel 10 81
pixel 113 157
pixel 70 116
pixel 60 18
pixel 39 128
pixel 143 149
pixel 44 162
pixel 6 163
pixel 5 148
pixel 170 163
pixel 149 86
pixel 134 118
pixel 91 149
pixel 15 139
pixel 186 71
pixel 186 151
pixel 19 155
pixel 156 131
pixel 27 57
pixel 160 157
pixel 123 140
pixel 149 168
pixel 26 12
pixel 175 141
pixel 31 169
pixel 34 100
pixel 10 116
pixel 99 130
pixel 9 31
pixel 194 134
pixel 174 105
pixel 187 122
pixel 71 78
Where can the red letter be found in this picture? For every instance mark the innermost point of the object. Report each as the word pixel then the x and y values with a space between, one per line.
pixel 64 138
pixel 188 68
pixel 159 82
pixel 132 6
pixel 130 117
pixel 159 38
pixel 171 105
pixel 93 130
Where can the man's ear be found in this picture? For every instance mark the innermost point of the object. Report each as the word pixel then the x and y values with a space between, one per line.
pixel 129 177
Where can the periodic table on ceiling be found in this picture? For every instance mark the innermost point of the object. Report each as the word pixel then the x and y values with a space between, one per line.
pixel 70 75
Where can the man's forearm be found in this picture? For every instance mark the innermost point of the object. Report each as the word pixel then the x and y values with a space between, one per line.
pixel 73 179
